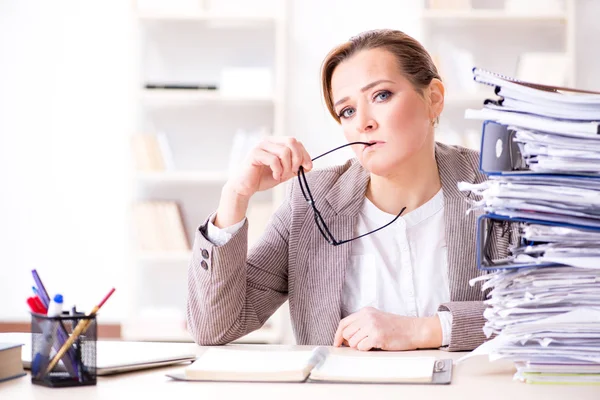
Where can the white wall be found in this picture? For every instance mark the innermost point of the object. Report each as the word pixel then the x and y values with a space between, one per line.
pixel 66 107
pixel 587 47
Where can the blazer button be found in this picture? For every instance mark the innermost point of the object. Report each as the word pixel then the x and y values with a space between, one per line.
pixel 205 254
pixel 204 265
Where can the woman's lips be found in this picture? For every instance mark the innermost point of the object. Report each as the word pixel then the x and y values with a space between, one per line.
pixel 374 145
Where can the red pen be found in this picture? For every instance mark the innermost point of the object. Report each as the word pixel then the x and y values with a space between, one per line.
pixel 34 307
pixel 41 307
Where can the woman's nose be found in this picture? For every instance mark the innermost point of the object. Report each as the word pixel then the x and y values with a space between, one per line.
pixel 366 124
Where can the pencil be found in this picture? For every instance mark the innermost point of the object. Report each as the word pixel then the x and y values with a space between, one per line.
pixel 79 329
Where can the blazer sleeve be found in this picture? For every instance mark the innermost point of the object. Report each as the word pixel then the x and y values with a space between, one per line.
pixel 467 324
pixel 232 292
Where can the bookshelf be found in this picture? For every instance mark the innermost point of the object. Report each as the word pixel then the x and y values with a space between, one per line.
pixel 471 16
pixel 208 17
pixel 188 141
pixel 177 97
pixel 495 35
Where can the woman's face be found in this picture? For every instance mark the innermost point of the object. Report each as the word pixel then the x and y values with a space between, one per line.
pixel 376 103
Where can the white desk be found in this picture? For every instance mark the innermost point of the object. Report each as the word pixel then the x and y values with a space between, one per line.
pixel 474 379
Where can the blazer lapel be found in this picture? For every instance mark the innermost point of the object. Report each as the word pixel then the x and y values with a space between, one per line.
pixel 325 265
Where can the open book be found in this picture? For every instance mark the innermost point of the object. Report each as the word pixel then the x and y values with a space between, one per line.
pixel 318 365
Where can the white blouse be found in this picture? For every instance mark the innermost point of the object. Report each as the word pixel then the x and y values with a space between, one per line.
pixel 401 269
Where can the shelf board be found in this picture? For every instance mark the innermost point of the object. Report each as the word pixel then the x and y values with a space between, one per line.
pixel 455 16
pixel 207 17
pixel 187 97
pixel 182 177
pixel 164 257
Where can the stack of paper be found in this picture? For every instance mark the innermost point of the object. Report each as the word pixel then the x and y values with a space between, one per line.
pixel 544 304
pixel 557 129
pixel 573 200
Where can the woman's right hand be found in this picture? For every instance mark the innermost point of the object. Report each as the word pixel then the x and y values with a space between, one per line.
pixel 273 161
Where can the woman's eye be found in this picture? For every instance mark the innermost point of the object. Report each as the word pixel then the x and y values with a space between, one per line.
pixel 346 113
pixel 381 96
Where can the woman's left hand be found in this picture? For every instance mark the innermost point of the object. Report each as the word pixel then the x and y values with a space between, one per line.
pixel 370 328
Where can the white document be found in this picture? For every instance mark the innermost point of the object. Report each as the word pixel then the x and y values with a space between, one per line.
pixel 512 88
pixel 527 121
pixel 374 369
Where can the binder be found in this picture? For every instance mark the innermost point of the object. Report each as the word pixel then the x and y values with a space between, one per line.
pixel 500 155
pixel 485 227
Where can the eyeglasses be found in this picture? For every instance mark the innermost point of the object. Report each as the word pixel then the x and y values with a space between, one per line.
pixel 318 218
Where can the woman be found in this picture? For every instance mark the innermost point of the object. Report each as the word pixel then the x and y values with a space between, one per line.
pixel 402 287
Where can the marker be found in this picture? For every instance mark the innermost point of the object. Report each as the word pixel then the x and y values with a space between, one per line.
pixel 41 359
pixel 34 306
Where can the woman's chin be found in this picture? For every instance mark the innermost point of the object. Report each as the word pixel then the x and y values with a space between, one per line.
pixel 377 166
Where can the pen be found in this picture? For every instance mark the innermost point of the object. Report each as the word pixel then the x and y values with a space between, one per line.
pixel 79 329
pixel 38 301
pixel 40 306
pixel 61 333
pixel 43 295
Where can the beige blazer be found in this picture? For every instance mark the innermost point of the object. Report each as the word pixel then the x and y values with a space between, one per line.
pixel 232 292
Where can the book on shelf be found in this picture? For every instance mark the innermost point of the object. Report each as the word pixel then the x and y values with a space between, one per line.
pixel 449 4
pixel 319 364
pixel 152 153
pixel 159 227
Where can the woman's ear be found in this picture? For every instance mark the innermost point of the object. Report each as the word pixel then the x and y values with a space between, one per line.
pixel 436 97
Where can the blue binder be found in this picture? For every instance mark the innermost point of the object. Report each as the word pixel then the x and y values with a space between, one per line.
pixel 500 155
pixel 484 224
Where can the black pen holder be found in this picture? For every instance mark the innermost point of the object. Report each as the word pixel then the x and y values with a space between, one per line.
pixel 77 367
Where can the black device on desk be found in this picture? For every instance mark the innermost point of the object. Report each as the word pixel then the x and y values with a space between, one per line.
pixel 180 86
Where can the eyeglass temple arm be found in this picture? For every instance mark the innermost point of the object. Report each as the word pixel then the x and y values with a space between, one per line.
pixel 375 230
pixel 340 147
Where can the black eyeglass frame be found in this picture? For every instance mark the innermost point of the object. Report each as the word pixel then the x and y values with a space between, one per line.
pixel 317 215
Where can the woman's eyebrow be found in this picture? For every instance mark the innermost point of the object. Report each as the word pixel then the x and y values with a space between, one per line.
pixel 364 89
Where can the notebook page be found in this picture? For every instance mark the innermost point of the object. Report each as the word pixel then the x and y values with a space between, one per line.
pixel 241 361
pixel 378 368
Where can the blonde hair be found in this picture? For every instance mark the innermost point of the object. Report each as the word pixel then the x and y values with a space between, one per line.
pixel 414 61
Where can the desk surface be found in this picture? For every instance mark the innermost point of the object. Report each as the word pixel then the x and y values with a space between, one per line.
pixel 474 378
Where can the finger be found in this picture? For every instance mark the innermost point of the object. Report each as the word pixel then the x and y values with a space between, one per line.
pixel 365 345
pixel 283 152
pixel 306 158
pixel 300 156
pixel 351 330
pixel 337 340
pixel 357 337
pixel 297 146
pixel 262 157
